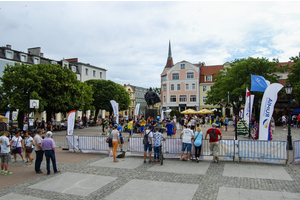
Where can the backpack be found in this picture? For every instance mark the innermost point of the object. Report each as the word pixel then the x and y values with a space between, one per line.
pixel 145 140
pixel 213 134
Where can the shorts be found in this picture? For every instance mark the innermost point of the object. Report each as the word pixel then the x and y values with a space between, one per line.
pixel 5 157
pixel 129 131
pixel 225 124
pixel 148 147
pixel 169 132
pixel 186 145
pixel 192 127
pixel 110 143
pixel 142 128
pixel 121 140
pixel 284 123
pixel 214 148
pixel 17 150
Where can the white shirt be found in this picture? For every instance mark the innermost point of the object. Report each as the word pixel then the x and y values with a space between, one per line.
pixel 28 141
pixel 149 136
pixel 4 142
pixel 17 141
pixel 187 135
pixel 283 118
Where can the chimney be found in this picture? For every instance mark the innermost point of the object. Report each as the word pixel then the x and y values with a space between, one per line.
pixel 35 51
pixel 124 85
pixel 8 46
pixel 72 60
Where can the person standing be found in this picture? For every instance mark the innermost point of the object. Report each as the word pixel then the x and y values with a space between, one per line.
pixel 17 146
pixel 157 144
pixel 4 155
pixel 28 147
pixel 142 123
pixel 170 129
pixel 283 119
pixel 149 146
pixel 120 129
pixel 115 140
pixel 226 120
pixel 214 134
pixel 187 135
pixel 48 145
pixel 198 143
pixel 38 151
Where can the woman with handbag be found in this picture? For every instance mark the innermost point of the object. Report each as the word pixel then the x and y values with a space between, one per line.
pixel 28 147
pixel 17 145
pixel 115 141
pixel 198 143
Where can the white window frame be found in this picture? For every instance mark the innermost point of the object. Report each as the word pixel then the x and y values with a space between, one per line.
pixel 53 62
pixel 100 74
pixel 94 73
pixel 178 87
pixel 190 75
pixel 183 98
pixel 8 52
pixel 172 87
pixel 164 78
pixel 23 56
pixel 204 99
pixel 194 99
pixel 208 78
pixel 204 88
pixel 36 60
pixel 164 87
pixel 171 98
pixel 164 99
pixel 193 86
pixel 86 71
pixel 187 86
pixel 182 66
pixel 176 76
pixel 73 68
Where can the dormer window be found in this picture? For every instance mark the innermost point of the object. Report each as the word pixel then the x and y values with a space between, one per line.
pixel 182 66
pixel 53 62
pixel 9 54
pixel 23 58
pixel 36 60
pixel 73 69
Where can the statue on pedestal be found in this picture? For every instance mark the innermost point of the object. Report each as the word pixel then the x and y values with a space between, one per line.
pixel 151 97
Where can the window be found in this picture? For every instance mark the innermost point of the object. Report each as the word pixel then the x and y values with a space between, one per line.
pixel 190 75
pixel 24 58
pixel 173 98
pixel 204 99
pixel 193 98
pixel 73 69
pixel 164 87
pixel 280 77
pixel 164 78
pixel 36 61
pixel 182 98
pixel 100 74
pixel 53 62
pixel 94 73
pixel 208 78
pixel 175 76
pixel 204 88
pixel 186 86
pixel 178 87
pixel 182 66
pixel 193 86
pixel 9 54
pixel 164 99
pixel 86 71
pixel 172 87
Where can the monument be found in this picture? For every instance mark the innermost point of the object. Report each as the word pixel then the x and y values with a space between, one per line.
pixel 151 98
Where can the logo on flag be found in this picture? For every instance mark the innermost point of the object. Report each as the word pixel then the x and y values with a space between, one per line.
pixel 258 83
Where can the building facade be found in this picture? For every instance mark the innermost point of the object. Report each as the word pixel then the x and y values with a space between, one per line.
pixel 137 96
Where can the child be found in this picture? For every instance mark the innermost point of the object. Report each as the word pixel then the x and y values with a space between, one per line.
pixel 157 144
pixel 143 123
pixel 130 125
pixel 170 129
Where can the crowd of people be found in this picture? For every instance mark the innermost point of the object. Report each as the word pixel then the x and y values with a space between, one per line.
pixel 13 145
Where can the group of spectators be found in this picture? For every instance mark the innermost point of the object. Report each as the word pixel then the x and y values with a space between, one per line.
pixel 26 142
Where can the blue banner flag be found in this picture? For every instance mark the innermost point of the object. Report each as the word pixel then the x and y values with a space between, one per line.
pixel 258 83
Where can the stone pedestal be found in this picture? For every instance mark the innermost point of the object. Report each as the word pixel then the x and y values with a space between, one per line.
pixel 152 113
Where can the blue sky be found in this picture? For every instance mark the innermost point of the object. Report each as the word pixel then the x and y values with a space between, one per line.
pixel 130 39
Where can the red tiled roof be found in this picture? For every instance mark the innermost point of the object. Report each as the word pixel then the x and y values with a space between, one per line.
pixel 169 63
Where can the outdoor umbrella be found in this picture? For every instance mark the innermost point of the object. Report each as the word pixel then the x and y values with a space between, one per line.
pixel 296 111
pixel 189 111
pixel 205 111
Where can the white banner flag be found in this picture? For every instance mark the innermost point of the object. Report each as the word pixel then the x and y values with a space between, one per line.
pixel 137 109
pixel 115 107
pixel 7 115
pixel 267 108
pixel 248 106
pixel 162 115
pixel 71 120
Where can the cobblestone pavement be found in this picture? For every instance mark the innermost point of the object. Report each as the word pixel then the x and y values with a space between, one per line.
pixel 109 182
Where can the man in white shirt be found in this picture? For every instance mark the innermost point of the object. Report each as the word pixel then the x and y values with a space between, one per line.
pixel 38 151
pixel 4 155
pixel 187 135
pixel 283 122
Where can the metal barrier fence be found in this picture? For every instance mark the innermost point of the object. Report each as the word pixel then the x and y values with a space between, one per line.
pixel 92 143
pixel 61 141
pixel 259 150
pixel 296 151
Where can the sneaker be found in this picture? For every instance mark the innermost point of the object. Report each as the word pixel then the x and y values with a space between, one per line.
pixel 144 161
pixel 39 172
pixel 3 172
pixel 8 173
pixel 217 159
pixel 150 161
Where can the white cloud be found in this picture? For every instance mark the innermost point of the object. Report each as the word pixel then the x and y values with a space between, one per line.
pixel 130 39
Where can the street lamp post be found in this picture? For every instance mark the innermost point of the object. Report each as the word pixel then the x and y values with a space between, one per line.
pixel 288 90
pixel 237 114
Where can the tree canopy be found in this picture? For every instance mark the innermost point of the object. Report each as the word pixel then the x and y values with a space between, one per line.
pixel 235 78
pixel 56 88
pixel 105 91
pixel 294 78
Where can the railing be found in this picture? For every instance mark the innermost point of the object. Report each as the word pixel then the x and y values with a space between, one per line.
pixel 256 150
pixel 296 151
pixel 260 150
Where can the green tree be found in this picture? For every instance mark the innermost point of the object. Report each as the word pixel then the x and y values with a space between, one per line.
pixel 105 91
pixel 157 91
pixel 294 78
pixel 236 78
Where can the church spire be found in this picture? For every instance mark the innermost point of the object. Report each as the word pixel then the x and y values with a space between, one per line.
pixel 170 59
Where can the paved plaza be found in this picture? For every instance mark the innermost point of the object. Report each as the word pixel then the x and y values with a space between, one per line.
pixel 95 176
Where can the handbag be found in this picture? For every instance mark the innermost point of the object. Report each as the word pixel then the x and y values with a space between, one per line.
pixel 28 149
pixel 107 140
pixel 15 147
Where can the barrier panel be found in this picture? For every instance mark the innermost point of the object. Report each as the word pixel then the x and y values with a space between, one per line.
pixel 93 143
pixel 61 141
pixel 296 151
pixel 136 145
pixel 260 150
